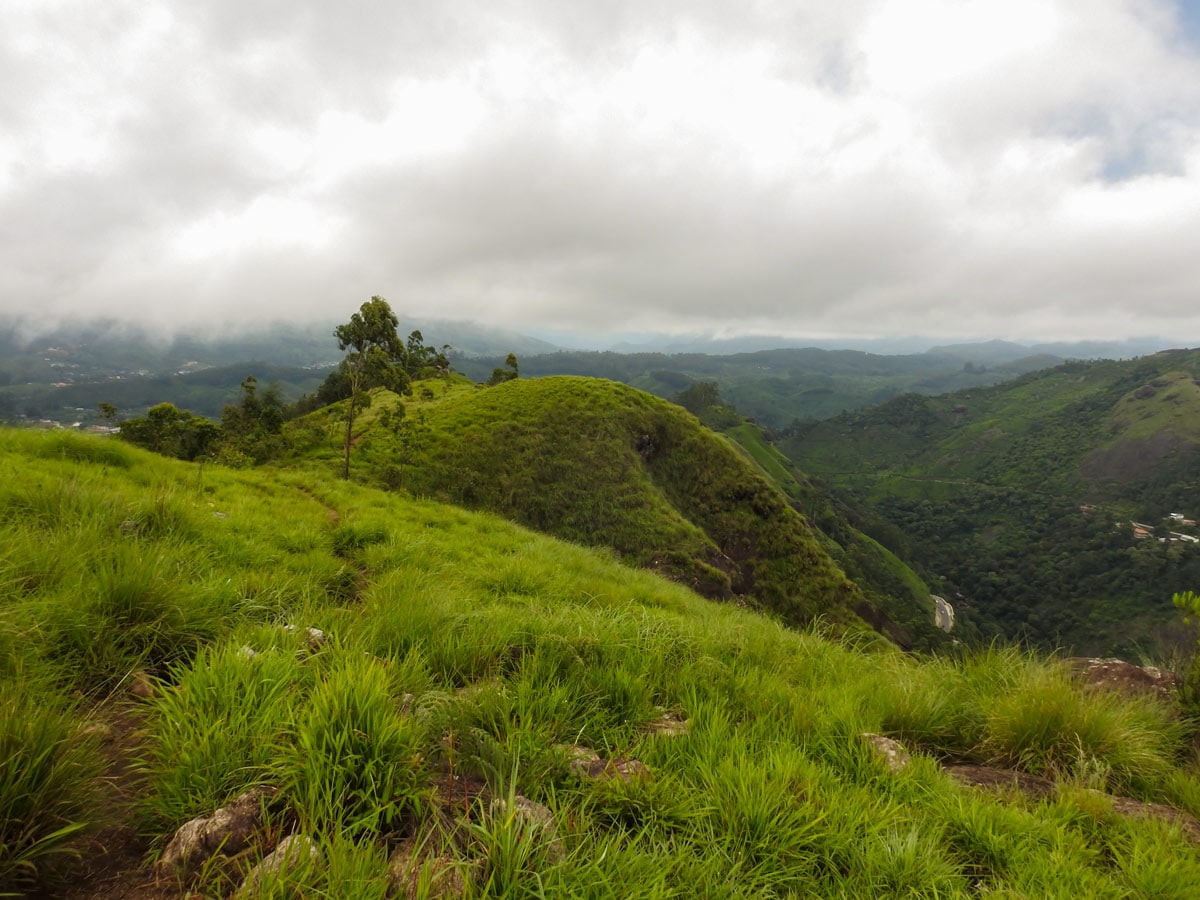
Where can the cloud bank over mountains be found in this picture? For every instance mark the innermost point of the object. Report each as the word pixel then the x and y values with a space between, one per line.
pixel 960 168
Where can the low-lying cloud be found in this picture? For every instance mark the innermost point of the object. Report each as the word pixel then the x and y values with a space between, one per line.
pixel 962 169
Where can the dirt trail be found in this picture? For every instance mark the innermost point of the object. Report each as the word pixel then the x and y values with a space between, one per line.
pixel 111 864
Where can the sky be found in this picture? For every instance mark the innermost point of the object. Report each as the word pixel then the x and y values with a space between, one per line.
pixel 968 169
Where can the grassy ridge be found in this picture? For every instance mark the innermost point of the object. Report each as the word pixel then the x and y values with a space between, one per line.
pixel 603 464
pixel 459 643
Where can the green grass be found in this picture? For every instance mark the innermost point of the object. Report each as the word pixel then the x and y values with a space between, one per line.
pixel 459 644
pixel 48 778
pixel 603 464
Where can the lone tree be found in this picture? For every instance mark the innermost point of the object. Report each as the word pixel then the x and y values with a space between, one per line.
pixel 510 373
pixel 376 357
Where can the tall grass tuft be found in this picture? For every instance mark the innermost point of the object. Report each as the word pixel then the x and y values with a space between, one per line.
pixel 518 850
pixel 1048 725
pixel 355 765
pixel 135 609
pixel 48 771
pixel 220 729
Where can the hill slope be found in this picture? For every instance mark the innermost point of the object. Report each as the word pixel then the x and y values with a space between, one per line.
pixel 603 464
pixel 887 581
pixel 1022 495
pixel 472 708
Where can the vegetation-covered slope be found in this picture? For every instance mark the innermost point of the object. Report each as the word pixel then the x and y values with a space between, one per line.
pixel 463 663
pixel 887 581
pixel 601 463
pixel 1022 495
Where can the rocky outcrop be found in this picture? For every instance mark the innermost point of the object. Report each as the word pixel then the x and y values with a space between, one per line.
pixel 1124 678
pixel 587 765
pixel 889 751
pixel 292 851
pixel 227 831
pixel 444 875
pixel 943 613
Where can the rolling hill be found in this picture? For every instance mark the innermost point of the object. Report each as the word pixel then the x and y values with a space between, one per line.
pixel 603 464
pixel 777 387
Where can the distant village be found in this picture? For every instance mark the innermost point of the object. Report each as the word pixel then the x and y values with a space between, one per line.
pixel 1144 532
pixel 81 426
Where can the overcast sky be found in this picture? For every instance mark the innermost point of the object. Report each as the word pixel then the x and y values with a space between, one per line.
pixel 955 168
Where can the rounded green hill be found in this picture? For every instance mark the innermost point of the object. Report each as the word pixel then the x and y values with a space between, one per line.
pixel 604 464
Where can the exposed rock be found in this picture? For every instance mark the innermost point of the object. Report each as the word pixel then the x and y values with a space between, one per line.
pixel 445 877
pixel 991 778
pixel 291 851
pixel 314 638
pixel 586 764
pixel 1139 809
pixel 618 768
pixel 1125 678
pixel 527 810
pixel 530 812
pixel 576 753
pixel 141 685
pixel 943 613
pixel 889 750
pixel 668 726
pixel 229 830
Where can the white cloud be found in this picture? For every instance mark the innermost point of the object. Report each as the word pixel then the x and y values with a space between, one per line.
pixel 958 167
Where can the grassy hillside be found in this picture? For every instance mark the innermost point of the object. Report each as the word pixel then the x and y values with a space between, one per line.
pixel 603 464
pixel 464 663
pixel 1021 495
pixel 887 581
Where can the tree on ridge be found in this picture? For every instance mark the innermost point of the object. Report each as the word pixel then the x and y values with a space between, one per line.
pixel 376 357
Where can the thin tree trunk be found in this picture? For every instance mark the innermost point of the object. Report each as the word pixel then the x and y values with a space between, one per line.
pixel 349 435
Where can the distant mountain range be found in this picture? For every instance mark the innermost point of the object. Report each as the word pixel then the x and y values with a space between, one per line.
pixel 63 374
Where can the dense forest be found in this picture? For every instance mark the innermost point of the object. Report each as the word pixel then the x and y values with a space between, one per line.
pixel 1020 499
